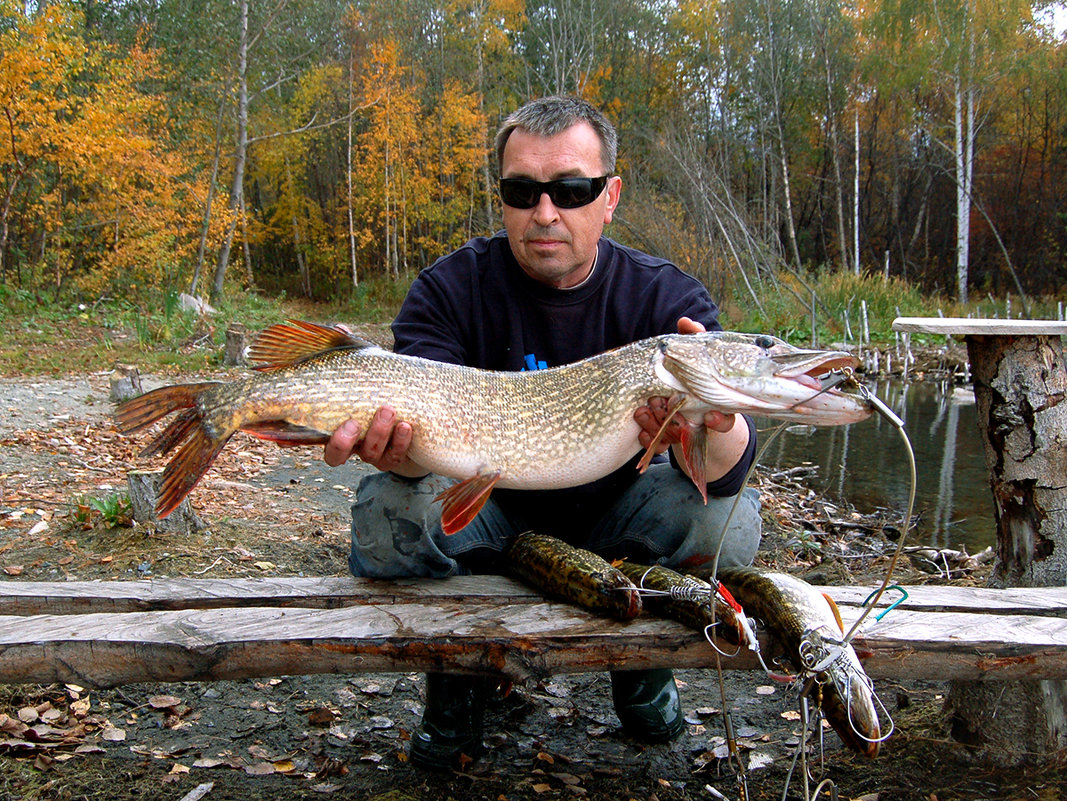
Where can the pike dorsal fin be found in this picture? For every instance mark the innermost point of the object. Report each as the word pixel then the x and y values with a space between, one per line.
pixel 293 341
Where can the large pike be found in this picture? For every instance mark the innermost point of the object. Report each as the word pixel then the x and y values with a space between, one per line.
pixel 546 429
pixel 807 625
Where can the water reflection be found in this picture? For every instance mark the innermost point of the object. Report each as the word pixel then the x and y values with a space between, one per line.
pixel 866 463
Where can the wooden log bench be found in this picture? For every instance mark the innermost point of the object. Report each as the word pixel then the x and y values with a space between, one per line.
pixel 105 634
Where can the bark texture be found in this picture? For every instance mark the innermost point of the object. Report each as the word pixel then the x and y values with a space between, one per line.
pixel 1020 387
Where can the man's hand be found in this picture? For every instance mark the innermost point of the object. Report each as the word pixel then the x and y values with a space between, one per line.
pixel 384 445
pixel 651 417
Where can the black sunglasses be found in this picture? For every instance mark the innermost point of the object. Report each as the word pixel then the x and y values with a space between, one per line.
pixel 565 193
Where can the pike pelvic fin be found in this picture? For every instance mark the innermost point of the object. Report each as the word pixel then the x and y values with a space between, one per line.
pixel 285 434
pixel 198 448
pixel 695 452
pixel 285 344
pixel 694 442
pixel 461 502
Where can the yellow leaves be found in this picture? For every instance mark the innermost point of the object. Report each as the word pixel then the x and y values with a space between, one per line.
pixel 80 126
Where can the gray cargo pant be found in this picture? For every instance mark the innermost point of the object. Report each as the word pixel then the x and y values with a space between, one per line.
pixel 659 519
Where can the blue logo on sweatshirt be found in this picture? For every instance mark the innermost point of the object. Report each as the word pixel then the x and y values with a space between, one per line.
pixel 533 364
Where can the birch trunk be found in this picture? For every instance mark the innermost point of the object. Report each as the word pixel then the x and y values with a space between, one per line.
pixel 1021 392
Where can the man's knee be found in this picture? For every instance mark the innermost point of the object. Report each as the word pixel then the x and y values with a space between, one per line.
pixel 392 528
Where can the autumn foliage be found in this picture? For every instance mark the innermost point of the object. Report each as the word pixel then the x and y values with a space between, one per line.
pixel 747 128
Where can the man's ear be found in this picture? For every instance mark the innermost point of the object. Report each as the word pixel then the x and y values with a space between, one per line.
pixel 614 189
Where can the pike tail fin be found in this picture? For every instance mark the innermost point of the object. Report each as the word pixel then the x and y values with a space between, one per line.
pixel 198 448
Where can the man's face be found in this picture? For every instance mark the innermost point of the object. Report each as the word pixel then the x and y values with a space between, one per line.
pixel 553 245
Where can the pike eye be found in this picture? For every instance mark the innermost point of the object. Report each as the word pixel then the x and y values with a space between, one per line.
pixel 765 342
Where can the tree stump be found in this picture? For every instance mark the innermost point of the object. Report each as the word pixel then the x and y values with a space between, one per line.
pixel 144 491
pixel 236 343
pixel 125 383
pixel 1020 388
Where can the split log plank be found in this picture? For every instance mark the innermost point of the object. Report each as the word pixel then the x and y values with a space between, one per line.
pixel 145 595
pixel 963 326
pixel 105 650
pixel 77 597
pixel 207 629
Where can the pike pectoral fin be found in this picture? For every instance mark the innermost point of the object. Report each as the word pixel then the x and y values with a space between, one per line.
pixel 462 502
pixel 286 435
pixel 695 452
pixel 674 405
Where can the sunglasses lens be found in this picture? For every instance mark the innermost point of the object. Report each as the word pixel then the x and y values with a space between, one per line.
pixel 570 193
pixel 520 193
pixel 565 193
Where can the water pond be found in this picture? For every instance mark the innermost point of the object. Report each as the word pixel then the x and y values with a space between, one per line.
pixel 866 463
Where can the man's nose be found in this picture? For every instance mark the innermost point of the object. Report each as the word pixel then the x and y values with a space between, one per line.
pixel 545 212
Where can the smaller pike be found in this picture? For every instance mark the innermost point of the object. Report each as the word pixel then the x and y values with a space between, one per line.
pixel 573 574
pixel 691 601
pixel 808 626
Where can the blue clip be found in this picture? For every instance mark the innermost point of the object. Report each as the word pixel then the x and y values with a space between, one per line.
pixel 903 597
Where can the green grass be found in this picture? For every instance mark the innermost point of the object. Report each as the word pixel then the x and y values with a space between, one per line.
pixel 839 307
pixel 41 336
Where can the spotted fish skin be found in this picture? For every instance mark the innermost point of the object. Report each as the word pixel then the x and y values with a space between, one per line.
pixel 543 429
pixel 791 609
pixel 690 600
pixel 573 574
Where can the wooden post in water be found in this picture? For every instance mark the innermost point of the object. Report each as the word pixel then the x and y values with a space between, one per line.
pixel 1020 388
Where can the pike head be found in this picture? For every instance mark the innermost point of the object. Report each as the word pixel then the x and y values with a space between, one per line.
pixel 757 374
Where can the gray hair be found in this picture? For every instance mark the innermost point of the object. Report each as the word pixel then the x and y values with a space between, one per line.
pixel 548 116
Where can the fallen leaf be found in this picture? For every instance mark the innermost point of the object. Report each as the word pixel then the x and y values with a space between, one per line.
pixel 265 565
pixel 28 714
pixel 284 766
pixel 759 759
pixel 542 788
pixel 321 716
pixel 13 570
pixel 179 768
pixel 164 701
pixel 113 735
pixel 259 769
pixel 209 762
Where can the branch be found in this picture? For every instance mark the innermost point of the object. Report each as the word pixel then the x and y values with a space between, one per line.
pixel 310 125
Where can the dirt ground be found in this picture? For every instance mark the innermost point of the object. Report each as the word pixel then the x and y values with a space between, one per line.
pixel 283 512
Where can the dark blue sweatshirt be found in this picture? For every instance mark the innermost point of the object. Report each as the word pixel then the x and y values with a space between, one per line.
pixel 476 306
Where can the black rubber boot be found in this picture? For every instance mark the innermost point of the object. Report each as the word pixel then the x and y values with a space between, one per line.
pixel 647 704
pixel 452 723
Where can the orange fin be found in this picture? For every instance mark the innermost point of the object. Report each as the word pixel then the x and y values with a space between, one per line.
pixel 286 435
pixel 142 411
pixel 284 344
pixel 695 451
pixel 461 502
pixel 198 449
pixel 186 469
pixel 836 611
pixel 674 405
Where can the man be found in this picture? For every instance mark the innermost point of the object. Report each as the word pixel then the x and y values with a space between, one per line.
pixel 549 291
